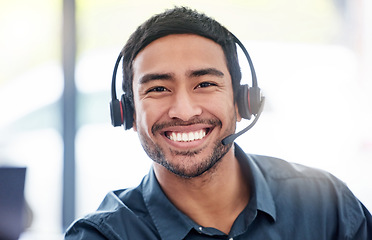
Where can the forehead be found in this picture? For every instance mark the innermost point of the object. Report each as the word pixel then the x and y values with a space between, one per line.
pixel 179 52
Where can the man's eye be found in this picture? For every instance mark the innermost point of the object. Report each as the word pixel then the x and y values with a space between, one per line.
pixel 157 89
pixel 205 84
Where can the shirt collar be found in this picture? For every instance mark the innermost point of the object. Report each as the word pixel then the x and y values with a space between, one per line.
pixel 169 221
pixel 261 197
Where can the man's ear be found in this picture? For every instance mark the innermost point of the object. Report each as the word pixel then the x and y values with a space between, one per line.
pixel 238 117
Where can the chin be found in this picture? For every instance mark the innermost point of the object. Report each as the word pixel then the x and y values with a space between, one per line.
pixel 184 163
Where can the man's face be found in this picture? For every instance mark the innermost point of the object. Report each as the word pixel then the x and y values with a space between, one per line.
pixel 184 103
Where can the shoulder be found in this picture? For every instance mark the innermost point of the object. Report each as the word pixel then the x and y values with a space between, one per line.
pixel 280 169
pixel 282 175
pixel 90 227
pixel 117 217
pixel 313 194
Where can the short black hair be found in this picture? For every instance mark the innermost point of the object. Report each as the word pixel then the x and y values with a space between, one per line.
pixel 179 20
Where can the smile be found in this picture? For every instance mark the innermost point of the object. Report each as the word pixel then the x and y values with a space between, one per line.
pixel 186 136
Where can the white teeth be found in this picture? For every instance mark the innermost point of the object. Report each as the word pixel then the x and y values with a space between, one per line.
pixel 187 137
pixel 196 135
pixel 191 136
pixel 179 137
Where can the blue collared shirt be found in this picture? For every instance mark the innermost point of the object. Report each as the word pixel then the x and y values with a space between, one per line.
pixel 288 201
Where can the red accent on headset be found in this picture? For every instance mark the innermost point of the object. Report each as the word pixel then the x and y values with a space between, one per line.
pixel 249 102
pixel 121 113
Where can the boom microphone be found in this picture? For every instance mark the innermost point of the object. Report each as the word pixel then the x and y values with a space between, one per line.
pixel 229 139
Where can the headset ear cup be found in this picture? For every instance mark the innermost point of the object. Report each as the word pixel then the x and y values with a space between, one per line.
pixel 243 102
pixel 127 112
pixel 116 113
pixel 254 99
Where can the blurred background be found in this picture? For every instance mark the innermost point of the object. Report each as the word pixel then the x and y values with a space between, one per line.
pixel 312 58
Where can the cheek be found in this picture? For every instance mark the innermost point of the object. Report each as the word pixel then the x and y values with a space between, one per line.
pixel 224 111
pixel 147 114
pixel 222 106
pixel 142 117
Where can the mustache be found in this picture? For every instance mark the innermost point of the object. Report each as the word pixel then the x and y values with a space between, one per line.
pixel 178 122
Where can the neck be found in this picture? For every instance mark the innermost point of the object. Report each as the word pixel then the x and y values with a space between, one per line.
pixel 214 199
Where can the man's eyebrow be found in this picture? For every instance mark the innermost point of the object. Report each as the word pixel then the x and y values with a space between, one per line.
pixel 155 76
pixel 205 71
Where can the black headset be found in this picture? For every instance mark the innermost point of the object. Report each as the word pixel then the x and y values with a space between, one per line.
pixel 249 100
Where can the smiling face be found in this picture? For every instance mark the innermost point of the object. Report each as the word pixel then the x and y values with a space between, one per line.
pixel 183 102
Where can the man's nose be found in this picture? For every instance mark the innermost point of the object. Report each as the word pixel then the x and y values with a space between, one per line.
pixel 184 106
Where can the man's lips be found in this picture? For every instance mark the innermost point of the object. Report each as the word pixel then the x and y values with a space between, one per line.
pixel 180 131
pixel 187 136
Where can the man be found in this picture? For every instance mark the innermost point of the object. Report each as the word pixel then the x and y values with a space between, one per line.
pixel 181 80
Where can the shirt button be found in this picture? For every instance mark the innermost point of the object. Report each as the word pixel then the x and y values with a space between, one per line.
pixel 200 229
pixel 231 238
